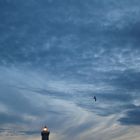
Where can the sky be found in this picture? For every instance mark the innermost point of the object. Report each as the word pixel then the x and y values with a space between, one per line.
pixel 55 55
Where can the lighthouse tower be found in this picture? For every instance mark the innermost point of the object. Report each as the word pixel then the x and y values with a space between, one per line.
pixel 45 133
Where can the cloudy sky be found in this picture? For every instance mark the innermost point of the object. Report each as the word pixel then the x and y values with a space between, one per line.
pixel 55 55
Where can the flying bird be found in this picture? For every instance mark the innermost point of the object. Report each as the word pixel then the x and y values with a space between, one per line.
pixel 95 98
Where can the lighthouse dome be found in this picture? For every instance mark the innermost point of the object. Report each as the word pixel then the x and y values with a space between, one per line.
pixel 45 129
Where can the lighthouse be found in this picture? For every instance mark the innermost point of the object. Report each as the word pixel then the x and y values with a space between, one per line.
pixel 45 133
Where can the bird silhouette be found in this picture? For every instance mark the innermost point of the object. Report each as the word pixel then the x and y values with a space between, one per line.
pixel 95 98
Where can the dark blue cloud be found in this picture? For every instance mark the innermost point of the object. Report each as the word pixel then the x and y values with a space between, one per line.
pixel 128 79
pixel 131 117
pixel 9 118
